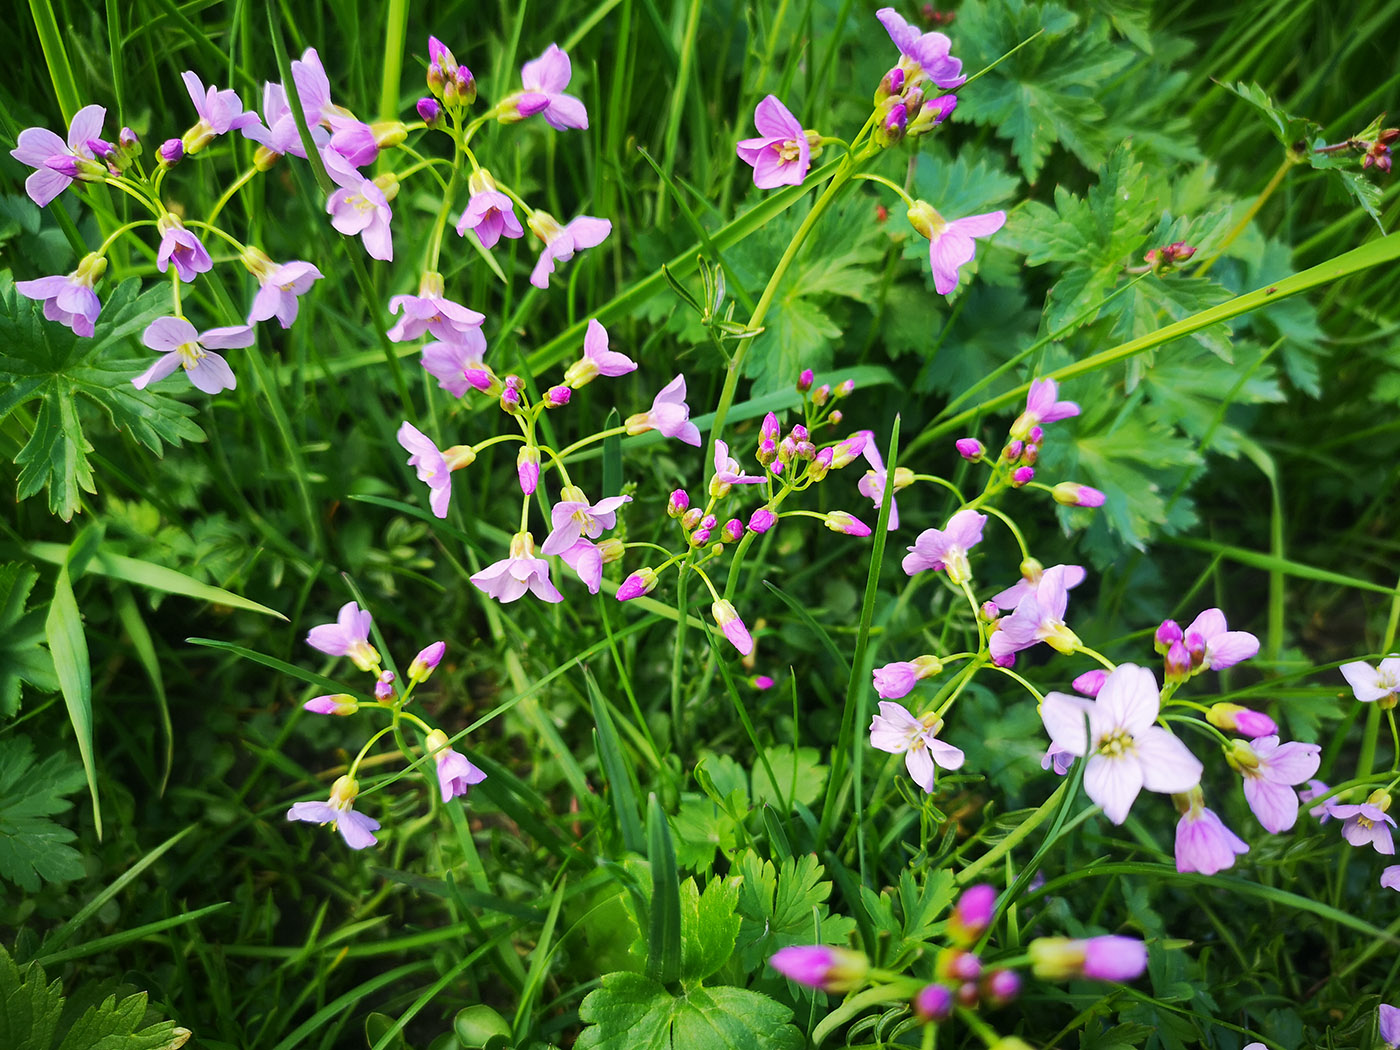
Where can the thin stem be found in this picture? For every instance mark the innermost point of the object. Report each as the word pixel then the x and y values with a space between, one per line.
pixel 238 184
pixel 1268 191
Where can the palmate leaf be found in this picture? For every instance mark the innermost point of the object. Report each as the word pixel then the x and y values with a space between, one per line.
pixel 781 907
pixel 1046 92
pixel 632 1012
pixel 23 657
pixel 32 847
pixel 42 360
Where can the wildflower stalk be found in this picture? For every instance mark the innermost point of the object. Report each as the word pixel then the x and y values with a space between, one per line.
pixel 1273 184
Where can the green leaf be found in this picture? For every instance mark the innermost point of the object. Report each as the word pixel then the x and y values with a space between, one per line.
pixel 709 926
pixel 800 776
pixel 42 360
pixel 632 1012
pixel 23 657
pixel 784 906
pixel 664 936
pixel 1290 131
pixel 911 914
pixel 700 828
pixel 116 1025
pixel 1048 91
pixel 63 629
pixel 34 849
pixel 29 1006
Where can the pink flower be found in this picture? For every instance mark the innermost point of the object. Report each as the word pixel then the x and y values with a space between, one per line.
pixel 1090 682
pixel 430 311
pixel 426 662
pixel 453 364
pixel 1039 617
pixel 509 578
pixel 356 828
pixel 947 548
pixel 728 621
pixel 1324 811
pixel 817 966
pixel 1368 684
pixel 181 247
pixel 728 472
pixel 897 731
pixel 279 287
pixel 1058 759
pixel 455 772
pixel 490 214
pixel 359 207
pixel 1028 586
pixel 434 467
pixel 560 242
pixel 597 359
pixel 277 133
pixel 313 87
pixel 1203 843
pixel 544 81
pixel 219 113
pixel 782 154
pixel 69 300
pixel 57 163
pixel 924 54
pixel 1212 645
pixel 1042 407
pixel 872 485
pixel 896 680
pixel 185 348
pixel 1270 770
pixel 1388 1021
pixel 1390 879
pixel 348 636
pixel 1102 958
pixel 1126 751
pixel 1366 824
pixel 574 518
pixel 950 244
pixel 669 414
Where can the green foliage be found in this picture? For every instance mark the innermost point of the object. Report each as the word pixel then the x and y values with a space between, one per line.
pixel 43 361
pixel 631 1012
pixel 23 657
pixel 910 914
pixel 33 1015
pixel 785 905
pixel 33 847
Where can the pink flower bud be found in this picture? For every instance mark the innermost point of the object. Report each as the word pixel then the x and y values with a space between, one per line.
pixel 798 433
pixel 691 518
pixel 1030 454
pixel 988 611
pixel 840 521
pixel 804 381
pixel 1167 633
pixel 846 388
pixel 425 663
pixel 762 520
pixel 129 141
pixel 1013 450
pixel 429 111
pixel 1022 476
pixel 1036 434
pixel 1236 719
pixel 384 685
pixel 933 1003
pixel 1114 958
pixel 817 966
pixel 1001 986
pixel 678 504
pixel 641 582
pixel 557 396
pixel 846 451
pixel 1073 494
pixel 1089 683
pixel 700 537
pixel 527 468
pixel 510 400
pixel 822 394
pixel 836 416
pixel 171 152
pixel 1178 663
pixel 733 530
pixel 734 629
pixel 967 994
pixel 767 452
pixel 335 704
pixel 761 682
pixel 971 917
pixel 969 448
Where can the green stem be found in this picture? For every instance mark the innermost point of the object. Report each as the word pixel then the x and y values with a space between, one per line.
pixel 1366 763
pixel 1268 191
pixel 1016 837
pixel 238 184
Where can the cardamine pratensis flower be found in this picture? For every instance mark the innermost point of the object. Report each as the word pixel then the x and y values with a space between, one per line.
pixel 597 359
pixel 348 636
pixel 561 242
pixel 1388 1021
pixel 509 578
pixel 1042 407
pixel 434 467
pixel 431 312
pixel 1039 617
pixel 219 113
pixel 1028 586
pixel 457 366
pixel 182 248
pixel 896 680
pixel 489 213
pixel 356 828
pixel 728 472
pixel 277 133
pixel 872 483
pixel 185 348
pixel 69 300
pixel 669 414
pixel 280 285
pixel 782 153
pixel 946 548
pixel 1323 811
pixel 543 81
pixel 1126 751
pixel 360 206
pixel 455 772
pixel 1203 843
pixel 1212 645
pixel 951 244
pixel 57 163
pixel 1270 771
pixel 574 518
pixel 819 966
pixel 733 627
pixel 1368 684
pixel 897 731
pixel 923 54
pixel 1366 824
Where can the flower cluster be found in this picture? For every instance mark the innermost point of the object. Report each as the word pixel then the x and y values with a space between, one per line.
pixel 349 636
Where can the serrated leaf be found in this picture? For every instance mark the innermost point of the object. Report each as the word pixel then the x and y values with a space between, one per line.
pixel 1290 131
pixel 23 657
pixel 784 906
pixel 632 1012
pixel 1047 91
pixel 42 360
pixel 709 925
pixel 29 1006
pixel 800 775
pixel 115 1024
pixel 34 849
pixel 1131 462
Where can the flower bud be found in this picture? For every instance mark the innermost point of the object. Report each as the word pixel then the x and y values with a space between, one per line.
pixel 691 518
pixel 840 521
pixel 769 430
pixel 738 635
pixel 1090 682
pixel 1073 494
pixel 1178 662
pixel 1236 719
pixel 845 388
pixel 836 416
pixel 818 966
pixel 762 520
pixel 1030 453
pixel 1001 986
pixel 1022 476
pixel 804 381
pixel 971 916
pixel 821 462
pixel 527 468
pixel 510 400
pixel 699 537
pixel 557 397
pixel 384 685
pixel 611 549
pixel 1169 632
pixel 969 448
pixel 933 113
pixel 709 521
pixel 733 530
pixel 171 152
pixel 1013 450
pixel 678 504
pixel 425 663
pixel 641 582
pixel 1103 958
pixel 761 682
pixel 892 83
pixel 933 1003
pixel 334 704
pixel 845 452
pixel 893 125
pixel 130 141
pixel 822 394
pixel 988 612
pixel 429 111
pixel 767 452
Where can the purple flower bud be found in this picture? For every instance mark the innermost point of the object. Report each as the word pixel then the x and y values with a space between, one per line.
pixel 818 966
pixel 1022 476
pixel 678 504
pixel 557 396
pixel 767 452
pixel 1236 719
pixel 1167 633
pixel 514 382
pixel 762 520
pixel 527 468
pixel 641 582
pixel 129 140
pixel 840 521
pixel 335 704
pixel 933 1003
pixel 989 611
pixel 429 111
pixel 768 430
pixel 836 416
pixel 171 152
pixel 425 663
pixel 1030 454
pixel 1089 683
pixel 892 83
pixel 822 394
pixel 384 685
pixel 967 994
pixel 846 388
pixel 1073 494
pixel 1178 663
pixel 691 518
pixel 102 149
pixel 66 165
pixel 510 400
pixel 709 521
pixel 761 682
pixel 733 530
pixel 971 916
pixel 798 433
pixel 1114 958
pixel 804 381
pixel 1036 434
pixel 700 537
pixel 1013 450
pixel 845 452
pixel 969 448
pixel 1001 986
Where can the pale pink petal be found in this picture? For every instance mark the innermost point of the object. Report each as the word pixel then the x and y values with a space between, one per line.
pixel 1113 783
pixel 920 765
pixel 1275 805
pixel 1167 766
pixel 167 333
pixel 1066 719
pixel 1130 698
pixel 357 829
pixel 947 253
pixel 231 337
pixel 36 145
pixel 166 364
pixel 211 374
pixel 1365 681
pixel 945 754
pixel 1292 763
